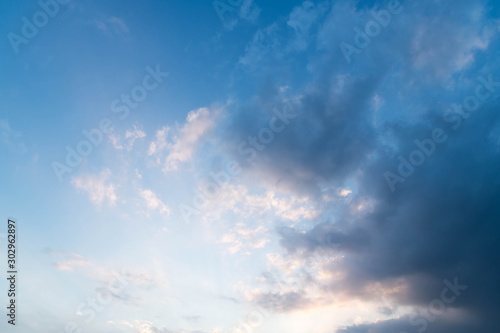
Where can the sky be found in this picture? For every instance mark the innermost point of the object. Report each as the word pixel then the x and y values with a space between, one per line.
pixel 238 166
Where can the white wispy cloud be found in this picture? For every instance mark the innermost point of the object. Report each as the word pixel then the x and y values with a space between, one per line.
pixel 160 142
pixel 144 326
pixel 115 141
pixel 112 25
pixel 131 135
pixel 237 199
pixel 10 138
pixel 153 203
pixel 301 20
pixel 72 263
pixel 242 237
pixel 98 187
pixel 136 278
pixel 185 140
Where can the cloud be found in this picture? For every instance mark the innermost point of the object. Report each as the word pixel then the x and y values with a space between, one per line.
pixel 5 130
pixel 438 225
pixel 301 20
pixel 161 141
pixel 185 140
pixel 353 121
pixel 247 11
pixel 197 126
pixel 444 47
pixel 238 200
pixel 241 237
pixel 135 279
pixel 144 326
pixel 10 138
pixel 264 43
pixel 285 37
pixel 293 283
pixel 115 141
pixel 98 187
pixel 340 114
pixel 361 242
pixel 131 136
pixel 112 26
pixel 331 135
pixel 446 323
pixel 72 263
pixel 153 203
pixel 283 302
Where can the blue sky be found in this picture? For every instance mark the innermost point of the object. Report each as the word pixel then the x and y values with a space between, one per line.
pixel 286 166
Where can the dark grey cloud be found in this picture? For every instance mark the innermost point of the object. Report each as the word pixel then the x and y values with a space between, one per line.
pixel 401 326
pixel 444 220
pixel 442 223
pixel 338 127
